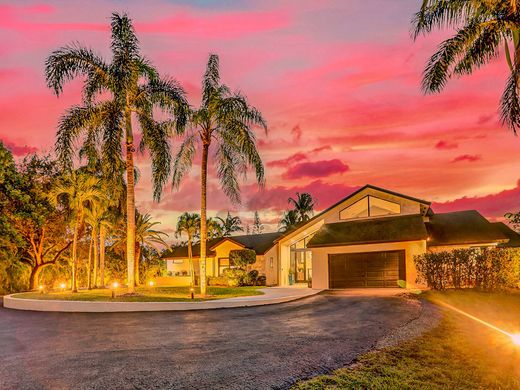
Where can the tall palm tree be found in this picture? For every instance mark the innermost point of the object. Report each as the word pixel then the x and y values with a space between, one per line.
pixel 303 206
pixel 289 220
pixel 482 27
pixel 134 89
pixel 225 120
pixel 189 224
pixel 230 225
pixel 77 192
pixel 146 234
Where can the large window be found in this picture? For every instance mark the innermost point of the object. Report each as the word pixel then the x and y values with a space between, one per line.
pixel 301 261
pixel 223 263
pixel 370 206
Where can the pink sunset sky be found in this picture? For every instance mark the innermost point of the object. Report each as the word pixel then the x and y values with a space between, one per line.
pixel 337 81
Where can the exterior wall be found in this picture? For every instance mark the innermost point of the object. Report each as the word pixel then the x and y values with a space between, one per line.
pixel 221 251
pixel 271 267
pixel 442 248
pixel 320 263
pixel 173 281
pixel 174 268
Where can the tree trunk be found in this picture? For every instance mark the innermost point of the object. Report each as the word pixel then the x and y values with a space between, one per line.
pixel 34 278
pixel 130 204
pixel 137 258
pixel 89 266
pixel 102 256
pixel 203 222
pixel 96 256
pixel 190 259
pixel 74 285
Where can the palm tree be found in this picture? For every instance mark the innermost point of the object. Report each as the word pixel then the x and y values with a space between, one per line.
pixel 226 119
pixel 482 27
pixel 77 191
pixel 289 220
pixel 145 234
pixel 134 89
pixel 189 223
pixel 303 206
pixel 230 225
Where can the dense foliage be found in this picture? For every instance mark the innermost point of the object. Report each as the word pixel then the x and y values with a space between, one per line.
pixel 482 268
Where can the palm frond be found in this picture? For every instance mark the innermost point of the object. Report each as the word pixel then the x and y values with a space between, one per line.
pixel 211 80
pixel 183 159
pixel 510 102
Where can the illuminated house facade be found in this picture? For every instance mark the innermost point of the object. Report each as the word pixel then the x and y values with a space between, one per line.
pixel 368 239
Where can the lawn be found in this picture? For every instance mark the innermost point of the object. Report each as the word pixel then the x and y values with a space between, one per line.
pixel 459 354
pixel 146 294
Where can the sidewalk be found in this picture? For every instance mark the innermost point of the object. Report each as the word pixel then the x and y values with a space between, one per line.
pixel 272 295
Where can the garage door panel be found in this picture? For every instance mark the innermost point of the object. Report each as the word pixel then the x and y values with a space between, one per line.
pixel 371 269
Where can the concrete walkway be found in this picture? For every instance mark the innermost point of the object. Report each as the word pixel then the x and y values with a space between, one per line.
pixel 272 295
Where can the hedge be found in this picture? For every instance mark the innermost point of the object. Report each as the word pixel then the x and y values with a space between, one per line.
pixel 482 268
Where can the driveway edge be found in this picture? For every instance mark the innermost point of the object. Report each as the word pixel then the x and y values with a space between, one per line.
pixel 269 298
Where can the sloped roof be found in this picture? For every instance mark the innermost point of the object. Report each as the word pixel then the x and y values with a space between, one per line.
pixel 462 227
pixel 366 231
pixel 514 237
pixel 260 243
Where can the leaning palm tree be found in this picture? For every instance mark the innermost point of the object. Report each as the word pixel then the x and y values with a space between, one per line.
pixel 76 192
pixel 303 206
pixel 482 27
pixel 189 224
pixel 230 225
pixel 224 120
pixel 113 95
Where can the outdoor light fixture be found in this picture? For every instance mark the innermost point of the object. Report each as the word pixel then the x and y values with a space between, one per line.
pixel 191 293
pixel 40 287
pixel 115 285
pixel 63 286
pixel 151 283
pixel 515 338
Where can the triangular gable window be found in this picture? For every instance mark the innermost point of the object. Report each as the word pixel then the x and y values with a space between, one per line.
pixel 370 206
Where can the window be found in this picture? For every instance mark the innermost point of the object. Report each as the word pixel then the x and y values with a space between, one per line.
pixel 370 206
pixel 178 261
pixel 223 263
pixel 271 262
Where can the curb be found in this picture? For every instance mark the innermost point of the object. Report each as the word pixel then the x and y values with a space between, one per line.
pixel 11 302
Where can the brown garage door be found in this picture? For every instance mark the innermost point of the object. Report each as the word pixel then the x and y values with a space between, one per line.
pixel 371 269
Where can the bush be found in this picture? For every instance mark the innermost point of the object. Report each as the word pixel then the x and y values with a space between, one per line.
pixel 218 281
pixel 250 278
pixel 483 268
pixel 235 276
pixel 241 258
pixel 261 281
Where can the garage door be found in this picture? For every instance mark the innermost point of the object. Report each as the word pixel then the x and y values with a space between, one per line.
pixel 371 269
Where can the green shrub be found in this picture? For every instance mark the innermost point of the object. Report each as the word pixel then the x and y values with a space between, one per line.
pixel 483 268
pixel 235 276
pixel 241 258
pixel 218 281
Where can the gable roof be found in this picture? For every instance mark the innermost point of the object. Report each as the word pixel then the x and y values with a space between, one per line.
pixel 365 187
pixel 260 243
pixel 514 237
pixel 462 227
pixel 366 231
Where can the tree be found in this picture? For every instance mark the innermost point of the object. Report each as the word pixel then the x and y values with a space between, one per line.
pixel 242 257
pixel 303 206
pixel 230 225
pixel 258 228
pixel 114 94
pixel 146 235
pixel 514 220
pixel 77 192
pixel 481 28
pixel 289 220
pixel 226 120
pixel 189 224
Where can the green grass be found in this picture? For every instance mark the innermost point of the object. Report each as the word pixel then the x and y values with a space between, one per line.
pixel 459 354
pixel 146 294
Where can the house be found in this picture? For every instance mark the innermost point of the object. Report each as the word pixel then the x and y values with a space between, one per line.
pixel 368 239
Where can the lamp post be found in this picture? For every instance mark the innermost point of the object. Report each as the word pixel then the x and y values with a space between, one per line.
pixel 40 287
pixel 191 292
pixel 62 287
pixel 151 283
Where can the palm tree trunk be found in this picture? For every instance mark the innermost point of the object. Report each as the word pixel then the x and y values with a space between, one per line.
pixel 137 258
pixel 130 204
pixel 203 222
pixel 190 259
pixel 102 256
pixel 89 266
pixel 96 256
pixel 74 285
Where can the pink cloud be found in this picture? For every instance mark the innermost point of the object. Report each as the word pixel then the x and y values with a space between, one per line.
pixel 288 161
pixel 296 132
pixel 446 145
pixel 315 169
pixel 467 157
pixel 18 150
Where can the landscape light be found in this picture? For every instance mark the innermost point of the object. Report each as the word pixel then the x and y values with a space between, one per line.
pixel 515 338
pixel 191 292
pixel 151 283
pixel 40 287
pixel 115 285
pixel 63 286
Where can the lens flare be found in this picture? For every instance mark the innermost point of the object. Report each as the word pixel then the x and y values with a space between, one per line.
pixel 515 337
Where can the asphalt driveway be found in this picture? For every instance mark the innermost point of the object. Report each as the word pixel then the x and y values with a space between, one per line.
pixel 248 348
